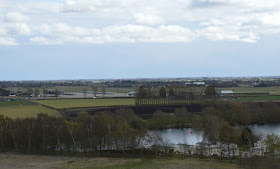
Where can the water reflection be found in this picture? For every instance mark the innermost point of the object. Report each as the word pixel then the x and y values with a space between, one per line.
pixel 185 136
pixel 177 136
pixel 265 129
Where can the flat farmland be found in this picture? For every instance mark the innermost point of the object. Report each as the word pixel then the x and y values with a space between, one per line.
pixel 259 98
pixel 271 90
pixel 71 103
pixel 22 109
pixel 75 89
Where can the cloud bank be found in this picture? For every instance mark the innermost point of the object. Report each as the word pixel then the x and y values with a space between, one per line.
pixel 133 21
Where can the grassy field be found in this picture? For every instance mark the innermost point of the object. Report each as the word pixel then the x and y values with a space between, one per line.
pixel 271 90
pixel 142 163
pixel 259 98
pixel 9 160
pixel 22 109
pixel 69 103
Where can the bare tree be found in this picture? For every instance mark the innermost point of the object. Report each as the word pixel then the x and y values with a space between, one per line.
pixel 58 125
pixel 84 91
pixel 30 92
pixel 156 142
pixel 272 141
pixel 73 129
pixel 56 93
pixel 103 89
pixel 95 90
pixel 45 92
pixel 36 92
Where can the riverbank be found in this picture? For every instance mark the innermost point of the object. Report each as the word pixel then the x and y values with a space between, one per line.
pixel 14 160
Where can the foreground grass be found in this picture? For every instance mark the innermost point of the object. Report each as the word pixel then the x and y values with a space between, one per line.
pixel 11 160
pixel 70 103
pixel 22 109
pixel 142 163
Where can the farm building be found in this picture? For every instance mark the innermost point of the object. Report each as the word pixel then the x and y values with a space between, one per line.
pixel 226 94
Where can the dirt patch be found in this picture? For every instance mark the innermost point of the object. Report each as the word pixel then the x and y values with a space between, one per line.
pixel 10 160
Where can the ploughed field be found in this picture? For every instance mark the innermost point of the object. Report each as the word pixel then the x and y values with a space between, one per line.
pixel 22 109
pixel 79 103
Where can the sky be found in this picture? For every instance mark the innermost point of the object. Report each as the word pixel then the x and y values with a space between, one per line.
pixel 113 39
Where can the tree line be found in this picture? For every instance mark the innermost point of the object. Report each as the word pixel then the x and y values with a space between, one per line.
pixel 236 113
pixel 173 95
pixel 103 132
pixel 218 123
pixel 181 118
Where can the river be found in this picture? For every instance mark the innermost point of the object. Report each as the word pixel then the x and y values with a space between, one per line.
pixel 190 136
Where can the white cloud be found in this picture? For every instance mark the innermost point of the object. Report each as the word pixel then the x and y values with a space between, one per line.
pixel 270 19
pixel 18 29
pixel 94 5
pixel 3 31
pixel 15 17
pixel 63 33
pixel 132 21
pixel 217 33
pixel 7 41
pixel 45 41
pixel 148 19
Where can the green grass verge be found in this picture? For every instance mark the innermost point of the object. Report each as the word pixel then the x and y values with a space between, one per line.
pixel 22 109
pixel 71 103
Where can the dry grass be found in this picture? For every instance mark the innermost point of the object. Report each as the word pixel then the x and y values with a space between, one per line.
pixel 9 160
pixel 143 163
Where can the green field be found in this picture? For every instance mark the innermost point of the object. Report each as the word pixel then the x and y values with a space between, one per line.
pixel 271 90
pixel 70 103
pixel 259 98
pixel 22 109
